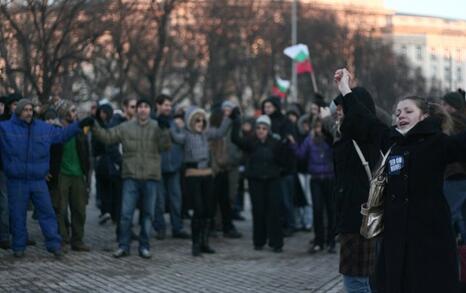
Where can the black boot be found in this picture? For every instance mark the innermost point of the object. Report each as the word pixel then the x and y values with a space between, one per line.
pixel 205 237
pixel 196 236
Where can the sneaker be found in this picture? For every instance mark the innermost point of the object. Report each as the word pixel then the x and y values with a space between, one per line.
pixel 181 235
pixel 104 218
pixel 80 247
pixel 120 252
pixel 233 234
pixel 5 244
pixel 315 248
pixel 145 253
pixel 58 253
pixel 18 254
pixel 161 235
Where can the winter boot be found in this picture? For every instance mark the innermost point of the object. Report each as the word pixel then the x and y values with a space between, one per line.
pixel 196 236
pixel 205 237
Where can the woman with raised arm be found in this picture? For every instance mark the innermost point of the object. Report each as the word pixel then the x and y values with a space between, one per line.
pixel 418 252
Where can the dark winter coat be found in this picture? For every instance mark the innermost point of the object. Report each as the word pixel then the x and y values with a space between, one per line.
pixel 418 252
pixel 351 182
pixel 25 147
pixel 281 128
pixel 263 160
pixel 108 157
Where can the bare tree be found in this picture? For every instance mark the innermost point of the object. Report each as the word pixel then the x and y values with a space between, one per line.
pixel 45 40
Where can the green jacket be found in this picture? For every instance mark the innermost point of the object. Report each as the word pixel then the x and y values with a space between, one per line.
pixel 142 145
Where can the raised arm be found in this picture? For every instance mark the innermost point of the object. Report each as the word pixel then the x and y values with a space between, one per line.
pixel 107 136
pixel 178 135
pixel 61 135
pixel 241 142
pixel 301 151
pixel 213 133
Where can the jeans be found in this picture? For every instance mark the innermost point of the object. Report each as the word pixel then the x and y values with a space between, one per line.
pixel 132 190
pixel 356 284
pixel 288 189
pixel 19 194
pixel 4 214
pixel 169 189
pixel 455 194
pixel 303 215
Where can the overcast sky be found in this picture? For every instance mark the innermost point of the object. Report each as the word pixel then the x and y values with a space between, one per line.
pixel 443 8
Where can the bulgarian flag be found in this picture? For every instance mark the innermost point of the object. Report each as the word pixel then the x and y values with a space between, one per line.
pixel 300 54
pixel 281 87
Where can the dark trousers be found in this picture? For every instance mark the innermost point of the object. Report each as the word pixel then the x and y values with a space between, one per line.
pixel 109 188
pixel 73 195
pixel 222 200
pixel 200 189
pixel 322 200
pixel 266 207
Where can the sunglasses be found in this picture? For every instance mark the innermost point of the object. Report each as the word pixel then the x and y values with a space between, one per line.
pixel 199 120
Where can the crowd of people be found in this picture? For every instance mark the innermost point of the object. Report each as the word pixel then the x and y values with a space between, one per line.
pixel 301 169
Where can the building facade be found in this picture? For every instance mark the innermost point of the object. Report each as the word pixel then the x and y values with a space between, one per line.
pixel 436 45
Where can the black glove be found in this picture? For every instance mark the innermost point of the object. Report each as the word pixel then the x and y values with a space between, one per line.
pixel 164 121
pixel 235 114
pixel 88 121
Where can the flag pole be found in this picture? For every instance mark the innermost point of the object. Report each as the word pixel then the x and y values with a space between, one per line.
pixel 313 79
pixel 294 41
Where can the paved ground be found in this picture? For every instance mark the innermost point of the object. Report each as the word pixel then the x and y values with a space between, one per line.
pixel 235 268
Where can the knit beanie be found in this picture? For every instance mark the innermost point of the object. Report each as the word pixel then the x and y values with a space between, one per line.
pixel 21 104
pixel 265 120
pixel 228 104
pixel 455 100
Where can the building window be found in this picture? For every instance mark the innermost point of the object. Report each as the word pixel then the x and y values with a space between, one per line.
pixel 459 74
pixel 447 73
pixel 404 50
pixel 446 54
pixel 419 53
pixel 458 55
pixel 433 55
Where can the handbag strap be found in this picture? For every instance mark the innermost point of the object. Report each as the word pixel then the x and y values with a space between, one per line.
pixel 363 160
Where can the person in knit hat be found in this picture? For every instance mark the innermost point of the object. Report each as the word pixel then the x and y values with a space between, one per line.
pixel 73 181
pixel 453 102
pixel 262 170
pixel 282 127
pixel 26 165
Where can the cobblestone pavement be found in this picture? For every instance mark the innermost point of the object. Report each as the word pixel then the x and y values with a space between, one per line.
pixel 236 267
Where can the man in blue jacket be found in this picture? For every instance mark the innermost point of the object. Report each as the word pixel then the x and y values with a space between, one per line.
pixel 25 150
